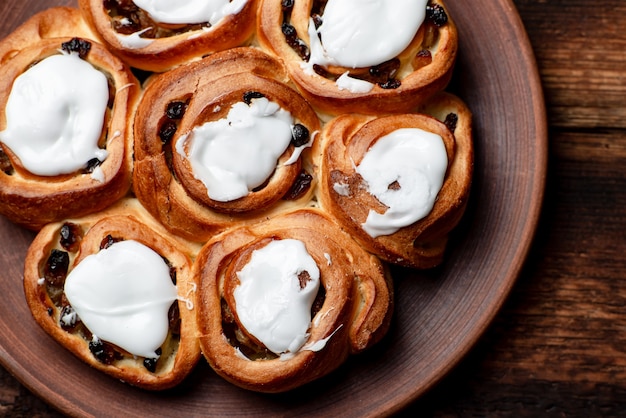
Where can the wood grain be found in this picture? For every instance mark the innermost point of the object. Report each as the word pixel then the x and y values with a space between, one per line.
pixel 557 347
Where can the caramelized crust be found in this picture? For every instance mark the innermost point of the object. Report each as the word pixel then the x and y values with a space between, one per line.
pixel 423 69
pixel 33 201
pixel 171 45
pixel 347 138
pixel 44 291
pixel 163 180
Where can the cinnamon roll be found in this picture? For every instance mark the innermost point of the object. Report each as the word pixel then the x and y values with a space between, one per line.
pixel 160 35
pixel 399 183
pixel 286 301
pixel 350 56
pixel 65 137
pixel 221 142
pixel 116 290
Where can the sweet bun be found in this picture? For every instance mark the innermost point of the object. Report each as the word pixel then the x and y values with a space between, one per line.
pixel 65 147
pixel 154 43
pixel 399 236
pixel 205 93
pixel 339 77
pixel 53 260
pixel 342 305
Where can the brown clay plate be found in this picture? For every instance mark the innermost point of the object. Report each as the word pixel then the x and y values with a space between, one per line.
pixel 439 314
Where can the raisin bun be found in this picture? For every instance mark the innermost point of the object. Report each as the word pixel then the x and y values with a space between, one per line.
pixel 223 142
pixel 160 35
pixel 65 133
pixel 399 183
pixel 326 298
pixel 346 56
pixel 116 290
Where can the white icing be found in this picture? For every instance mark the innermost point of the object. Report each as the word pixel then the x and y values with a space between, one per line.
pixel 414 158
pixel 353 85
pixel 319 344
pixel 297 151
pixel 97 174
pixel 55 114
pixel 233 155
pixel 342 189
pixel 41 281
pixel 329 260
pixel 270 303
pixel 363 33
pixel 134 40
pixel 123 295
pixel 190 11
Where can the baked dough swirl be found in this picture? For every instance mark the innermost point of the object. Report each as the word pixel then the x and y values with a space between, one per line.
pixel 202 93
pixel 31 198
pixel 344 193
pixel 351 310
pixel 60 248
pixel 148 43
pixel 397 84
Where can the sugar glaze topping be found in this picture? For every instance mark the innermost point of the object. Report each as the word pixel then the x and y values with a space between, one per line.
pixel 272 302
pixel 123 294
pixel 357 33
pixel 190 11
pixel 413 160
pixel 233 155
pixel 55 115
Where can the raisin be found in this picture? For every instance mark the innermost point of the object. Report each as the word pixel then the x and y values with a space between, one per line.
pixel 317 20
pixel 451 120
pixel 422 59
pixel 167 131
pixel 5 163
pixel 70 236
pixel 173 316
pixel 91 165
pixel 68 318
pixel 250 95
pixel 103 352
pixel 303 278
pixel 291 36
pixel 151 363
pixel 108 241
pixel 300 186
pixel 56 268
pixel 176 110
pixel 299 135
pixel 77 45
pixel 287 5
pixel 436 14
pixel 385 71
pixel 390 84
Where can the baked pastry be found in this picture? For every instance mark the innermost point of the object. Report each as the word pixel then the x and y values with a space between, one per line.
pixel 65 137
pixel 346 56
pixel 116 290
pixel 286 301
pixel 399 183
pixel 157 36
pixel 221 142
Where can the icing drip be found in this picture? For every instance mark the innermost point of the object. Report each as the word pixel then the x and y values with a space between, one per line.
pixel 55 115
pixel 273 303
pixel 416 162
pixel 123 295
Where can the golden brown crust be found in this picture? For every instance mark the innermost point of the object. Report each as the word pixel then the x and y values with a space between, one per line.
pixel 163 181
pixel 170 49
pixel 356 309
pixel 420 77
pixel 31 200
pixel 126 220
pixel 345 140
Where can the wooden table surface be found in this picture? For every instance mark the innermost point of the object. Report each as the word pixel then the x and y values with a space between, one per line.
pixel 558 347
